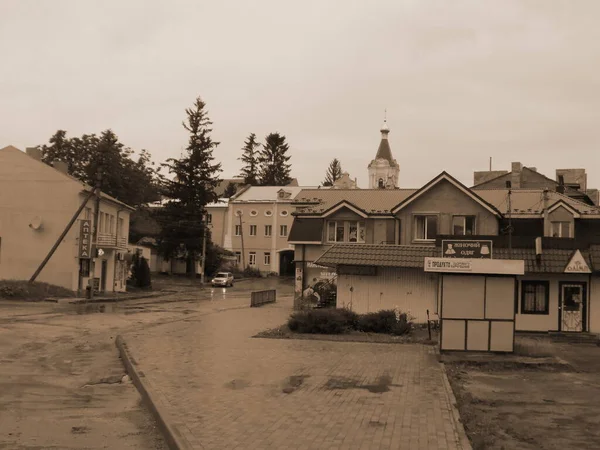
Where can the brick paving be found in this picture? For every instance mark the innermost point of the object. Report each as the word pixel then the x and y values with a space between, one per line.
pixel 230 391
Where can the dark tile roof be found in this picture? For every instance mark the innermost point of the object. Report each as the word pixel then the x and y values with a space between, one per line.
pixel 552 260
pixel 371 201
pixel 377 255
pixel 306 230
pixel 385 152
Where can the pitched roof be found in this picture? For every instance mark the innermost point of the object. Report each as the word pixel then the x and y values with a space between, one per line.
pixel 551 261
pixel 444 176
pixel 377 255
pixel 371 201
pixel 526 202
pixel 306 230
pixel 268 193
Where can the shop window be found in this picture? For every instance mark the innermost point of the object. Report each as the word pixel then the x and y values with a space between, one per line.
pixel 238 230
pixel 252 230
pixel 425 227
pixel 283 231
pixel 252 259
pixel 267 258
pixel 345 231
pixel 561 230
pixel 535 296
pixel 268 230
pixel 463 225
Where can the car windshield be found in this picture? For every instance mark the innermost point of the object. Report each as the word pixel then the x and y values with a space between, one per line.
pixel 222 275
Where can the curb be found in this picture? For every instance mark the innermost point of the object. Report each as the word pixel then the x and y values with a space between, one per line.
pixel 118 299
pixel 463 440
pixel 174 437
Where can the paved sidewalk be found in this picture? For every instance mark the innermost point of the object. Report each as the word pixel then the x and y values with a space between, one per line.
pixel 231 391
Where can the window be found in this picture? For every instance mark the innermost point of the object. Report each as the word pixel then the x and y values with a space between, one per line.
pixel 283 213
pixel 253 213
pixel 380 183
pixel 425 228
pixel 267 258
pixel 208 218
pixel 534 297
pixel 268 230
pixel 121 230
pixel 463 225
pixel 268 213
pixel 283 231
pixel 238 230
pixel 112 224
pixel 561 229
pixel 238 257
pixel 252 230
pixel 345 231
pixel 252 260
pixel 101 222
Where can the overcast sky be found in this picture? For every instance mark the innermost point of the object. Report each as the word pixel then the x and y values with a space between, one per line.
pixel 516 80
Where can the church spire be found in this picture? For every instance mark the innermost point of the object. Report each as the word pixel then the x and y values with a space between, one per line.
pixel 384 170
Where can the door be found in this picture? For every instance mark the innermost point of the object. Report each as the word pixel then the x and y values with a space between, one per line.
pixel 572 307
pixel 103 275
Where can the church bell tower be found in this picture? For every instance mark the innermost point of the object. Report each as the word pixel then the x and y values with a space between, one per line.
pixel 384 169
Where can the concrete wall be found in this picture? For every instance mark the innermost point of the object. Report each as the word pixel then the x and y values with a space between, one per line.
pixel 411 290
pixel 445 201
pixel 549 322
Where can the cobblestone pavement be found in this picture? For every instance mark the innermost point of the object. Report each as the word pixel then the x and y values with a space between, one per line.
pixel 230 391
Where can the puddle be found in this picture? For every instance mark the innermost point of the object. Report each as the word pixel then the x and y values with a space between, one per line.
pixel 93 308
pixel 293 383
pixel 383 384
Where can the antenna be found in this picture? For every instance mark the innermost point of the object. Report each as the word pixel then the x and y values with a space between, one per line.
pixel 490 163
pixel 385 115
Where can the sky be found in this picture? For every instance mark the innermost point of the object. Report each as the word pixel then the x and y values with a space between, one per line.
pixel 462 80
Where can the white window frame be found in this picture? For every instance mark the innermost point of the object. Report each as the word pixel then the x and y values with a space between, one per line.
pixel 425 239
pixel 253 230
pixel 360 224
pixel 560 228
pixel 464 224
pixel 267 259
pixel 268 228
pixel 237 230
pixel 283 228
pixel 252 259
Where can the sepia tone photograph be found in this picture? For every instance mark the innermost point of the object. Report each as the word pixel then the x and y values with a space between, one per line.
pixel 317 225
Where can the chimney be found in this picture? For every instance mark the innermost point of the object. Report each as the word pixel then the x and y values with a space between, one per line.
pixel 61 166
pixel 34 152
pixel 516 172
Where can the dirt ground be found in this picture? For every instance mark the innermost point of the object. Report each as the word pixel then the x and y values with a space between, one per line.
pixel 551 404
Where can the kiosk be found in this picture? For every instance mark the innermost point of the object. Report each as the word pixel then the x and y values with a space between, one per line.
pixel 476 302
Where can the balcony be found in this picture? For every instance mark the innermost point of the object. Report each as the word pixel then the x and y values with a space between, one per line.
pixel 110 241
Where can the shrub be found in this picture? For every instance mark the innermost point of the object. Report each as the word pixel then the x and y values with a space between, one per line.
pixel 23 290
pixel 323 321
pixel 251 272
pixel 386 321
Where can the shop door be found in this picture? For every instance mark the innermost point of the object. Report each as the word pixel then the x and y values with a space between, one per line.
pixel 572 307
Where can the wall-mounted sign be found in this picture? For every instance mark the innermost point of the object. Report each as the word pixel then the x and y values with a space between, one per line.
pixel 357 270
pixel 85 239
pixel 466 249
pixel 475 266
pixel 577 264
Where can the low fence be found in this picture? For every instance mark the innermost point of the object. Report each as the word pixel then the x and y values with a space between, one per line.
pixel 259 298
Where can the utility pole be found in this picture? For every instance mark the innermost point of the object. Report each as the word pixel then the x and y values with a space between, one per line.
pixel 205 232
pixel 242 237
pixel 509 222
pixel 95 236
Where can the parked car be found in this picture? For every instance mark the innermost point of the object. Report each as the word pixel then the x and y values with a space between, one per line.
pixel 223 279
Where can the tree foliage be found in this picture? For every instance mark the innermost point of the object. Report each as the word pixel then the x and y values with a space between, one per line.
pixel 273 161
pixel 195 177
pixel 334 172
pixel 133 181
pixel 250 154
pixel 230 190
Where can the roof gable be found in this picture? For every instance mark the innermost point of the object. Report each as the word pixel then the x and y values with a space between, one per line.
pixel 344 205
pixel 454 182
pixel 562 204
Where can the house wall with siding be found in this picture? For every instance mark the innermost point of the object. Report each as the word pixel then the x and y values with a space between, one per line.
pixel 411 290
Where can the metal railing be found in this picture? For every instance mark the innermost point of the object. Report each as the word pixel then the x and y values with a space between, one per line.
pixel 259 298
pixel 110 240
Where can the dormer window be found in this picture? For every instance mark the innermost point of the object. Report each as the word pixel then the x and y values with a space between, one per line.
pixel 561 229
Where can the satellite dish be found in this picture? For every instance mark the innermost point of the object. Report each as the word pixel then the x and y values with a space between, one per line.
pixel 36 223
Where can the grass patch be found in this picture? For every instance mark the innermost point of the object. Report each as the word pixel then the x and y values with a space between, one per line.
pixel 23 290
pixel 534 347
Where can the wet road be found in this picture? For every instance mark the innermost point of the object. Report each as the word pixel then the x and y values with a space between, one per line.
pixel 61 380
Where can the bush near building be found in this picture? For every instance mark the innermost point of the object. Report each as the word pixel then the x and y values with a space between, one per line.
pixel 338 321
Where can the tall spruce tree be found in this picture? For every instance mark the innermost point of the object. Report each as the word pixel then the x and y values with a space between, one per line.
pixel 334 172
pixel 250 159
pixel 273 161
pixel 195 177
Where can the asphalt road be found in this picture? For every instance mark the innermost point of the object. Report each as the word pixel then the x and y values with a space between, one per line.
pixel 62 384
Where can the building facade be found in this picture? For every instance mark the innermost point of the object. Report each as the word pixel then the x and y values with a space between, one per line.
pixel 37 201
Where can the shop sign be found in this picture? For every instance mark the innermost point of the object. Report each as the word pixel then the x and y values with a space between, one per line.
pixel 443 265
pixel 357 270
pixel 85 233
pixel 577 264
pixel 467 249
pixel 475 266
